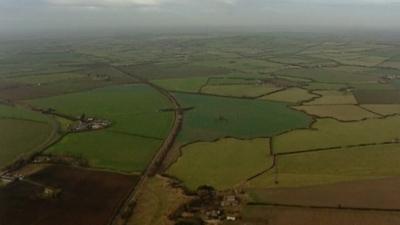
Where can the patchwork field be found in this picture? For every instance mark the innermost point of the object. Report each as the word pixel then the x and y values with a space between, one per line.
pixel 217 117
pixel 331 133
pixel 137 131
pixel 389 109
pixel 332 166
pixel 182 84
pixel 378 96
pixel 21 204
pixel 340 112
pixel 331 97
pixel 221 164
pixel 240 90
pixel 291 95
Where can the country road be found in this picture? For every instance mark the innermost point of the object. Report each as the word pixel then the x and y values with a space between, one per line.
pixel 155 163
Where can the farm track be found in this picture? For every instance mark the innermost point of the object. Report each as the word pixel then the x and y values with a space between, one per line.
pixel 154 165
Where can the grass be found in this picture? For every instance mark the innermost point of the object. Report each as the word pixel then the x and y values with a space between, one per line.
pixel 216 117
pixel 334 166
pixel 389 109
pixel 182 84
pixel 240 90
pixel 138 125
pixel 108 150
pixel 221 164
pixel 331 97
pixel 291 95
pixel 324 86
pixel 330 133
pixel 21 137
pixel 21 132
pixel 157 201
pixel 129 107
pixel 340 112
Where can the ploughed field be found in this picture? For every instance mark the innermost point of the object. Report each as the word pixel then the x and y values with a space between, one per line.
pixel 87 197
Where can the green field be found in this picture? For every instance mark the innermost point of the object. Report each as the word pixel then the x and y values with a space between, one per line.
pixel 22 132
pixel 222 164
pixel 216 117
pixel 182 84
pixel 331 97
pixel 138 125
pixel 340 112
pixel 291 95
pixel 240 90
pixel 333 166
pixel 108 150
pixel 330 133
pixel 389 109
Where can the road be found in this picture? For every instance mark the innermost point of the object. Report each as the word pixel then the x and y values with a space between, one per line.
pixel 155 163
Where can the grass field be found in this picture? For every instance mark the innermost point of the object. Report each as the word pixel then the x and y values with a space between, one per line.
pixel 340 112
pixel 182 84
pixel 216 117
pixel 138 125
pixel 333 166
pixel 21 137
pixel 108 150
pixel 291 95
pixel 329 133
pixel 222 164
pixel 332 97
pixel 21 132
pixel 389 109
pixel 240 90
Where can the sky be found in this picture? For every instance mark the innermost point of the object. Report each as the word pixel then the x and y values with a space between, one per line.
pixel 31 15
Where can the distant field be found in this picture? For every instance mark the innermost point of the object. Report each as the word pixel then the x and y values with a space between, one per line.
pixel 291 95
pixel 182 84
pixel 389 109
pixel 240 90
pixel 333 166
pixel 216 117
pixel 340 112
pixel 343 74
pixel 324 86
pixel 21 132
pixel 332 97
pixel 378 96
pixel 329 133
pixel 222 164
pixel 176 70
pixel 138 125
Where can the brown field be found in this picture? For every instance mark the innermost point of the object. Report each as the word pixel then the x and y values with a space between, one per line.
pixel 377 96
pixel 377 193
pixel 386 110
pixel 87 197
pixel 265 215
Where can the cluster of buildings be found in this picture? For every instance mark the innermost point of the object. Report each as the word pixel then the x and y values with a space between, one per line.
pixel 210 207
pixel 90 123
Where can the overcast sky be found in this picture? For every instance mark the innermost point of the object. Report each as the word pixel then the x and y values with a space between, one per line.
pixel 42 14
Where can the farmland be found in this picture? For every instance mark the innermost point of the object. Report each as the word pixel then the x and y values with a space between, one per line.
pixel 297 127
pixel 331 133
pixel 20 202
pixel 233 162
pixel 22 132
pixel 216 117
pixel 130 108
